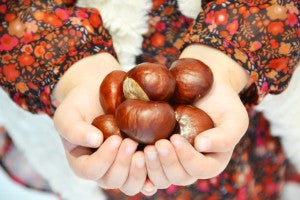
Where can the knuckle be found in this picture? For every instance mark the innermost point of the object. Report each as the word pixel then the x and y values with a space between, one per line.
pixel 154 167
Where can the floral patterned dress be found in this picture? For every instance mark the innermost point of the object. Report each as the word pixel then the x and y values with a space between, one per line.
pixel 41 39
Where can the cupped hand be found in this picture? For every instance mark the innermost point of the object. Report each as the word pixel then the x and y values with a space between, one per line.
pixel 176 161
pixel 113 163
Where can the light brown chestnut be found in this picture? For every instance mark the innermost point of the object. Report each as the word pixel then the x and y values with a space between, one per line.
pixel 193 80
pixel 149 81
pixel 145 121
pixel 191 121
pixel 111 91
pixel 107 125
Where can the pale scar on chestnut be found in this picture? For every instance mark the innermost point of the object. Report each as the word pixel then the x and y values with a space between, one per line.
pixel 132 90
pixel 192 121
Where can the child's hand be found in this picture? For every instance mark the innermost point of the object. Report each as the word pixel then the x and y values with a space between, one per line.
pixel 177 161
pixel 114 164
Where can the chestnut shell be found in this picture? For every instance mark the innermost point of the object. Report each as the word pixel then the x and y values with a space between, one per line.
pixel 191 121
pixel 111 91
pixel 155 80
pixel 107 125
pixel 145 121
pixel 193 80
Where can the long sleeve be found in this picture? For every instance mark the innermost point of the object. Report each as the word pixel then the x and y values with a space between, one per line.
pixel 262 36
pixel 39 41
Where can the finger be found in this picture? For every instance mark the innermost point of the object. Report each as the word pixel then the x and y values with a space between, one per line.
pixel 155 171
pixel 137 175
pixel 196 164
pixel 170 163
pixel 225 135
pixel 74 129
pixel 94 166
pixel 118 172
pixel 149 188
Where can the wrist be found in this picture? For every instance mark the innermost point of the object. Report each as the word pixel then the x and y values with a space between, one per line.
pixel 93 68
pixel 225 70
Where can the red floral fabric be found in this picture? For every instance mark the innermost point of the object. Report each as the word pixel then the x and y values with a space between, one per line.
pixel 261 35
pixel 39 41
pixel 258 166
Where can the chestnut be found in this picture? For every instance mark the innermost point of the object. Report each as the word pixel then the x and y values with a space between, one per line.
pixel 193 80
pixel 111 91
pixel 107 125
pixel 191 121
pixel 149 81
pixel 145 121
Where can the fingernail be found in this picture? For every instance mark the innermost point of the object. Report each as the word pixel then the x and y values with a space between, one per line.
pixel 204 144
pixel 163 151
pixel 130 148
pixel 115 142
pixel 148 188
pixel 151 155
pixel 94 139
pixel 139 162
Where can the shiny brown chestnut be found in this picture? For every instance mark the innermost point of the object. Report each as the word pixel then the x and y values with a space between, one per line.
pixel 145 121
pixel 191 121
pixel 149 81
pixel 107 125
pixel 193 80
pixel 111 91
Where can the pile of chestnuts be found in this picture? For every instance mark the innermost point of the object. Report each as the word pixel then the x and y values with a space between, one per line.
pixel 151 102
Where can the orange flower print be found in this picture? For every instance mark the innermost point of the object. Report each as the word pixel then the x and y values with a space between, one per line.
pixel 240 55
pixel 21 87
pixel 10 72
pixel 39 51
pixel 279 63
pixel 8 42
pixel 27 49
pixel 62 14
pixel 275 28
pixel 284 48
pixel 53 20
pixel 17 28
pixel 48 55
pixel 233 27
pixel 158 40
pixel 31 26
pixel 210 17
pixel 10 17
pixel 220 1
pixel 6 58
pixel 274 44
pixel 75 21
pixel 291 20
pixel 25 59
pixel 28 37
pixel 221 17
pixel 254 46
pixel 276 12
pixel 157 4
pixel 39 15
pixel 95 20
pixel 2 8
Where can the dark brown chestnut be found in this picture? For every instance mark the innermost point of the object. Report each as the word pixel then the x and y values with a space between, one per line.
pixel 191 121
pixel 111 91
pixel 107 125
pixel 193 80
pixel 149 81
pixel 145 121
